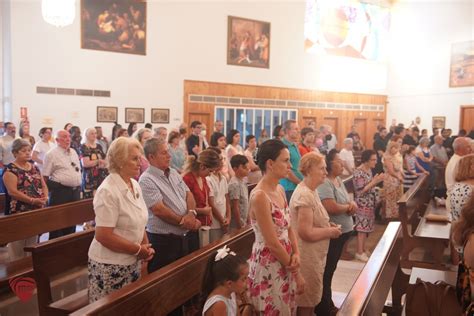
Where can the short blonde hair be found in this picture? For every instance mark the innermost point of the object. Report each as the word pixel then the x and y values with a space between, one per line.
pixel 464 171
pixel 390 145
pixel 119 150
pixel 310 160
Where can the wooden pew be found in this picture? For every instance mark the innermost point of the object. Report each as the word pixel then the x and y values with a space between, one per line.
pixel 380 274
pixel 171 286
pixel 53 258
pixel 23 225
pixel 2 203
pixel 419 233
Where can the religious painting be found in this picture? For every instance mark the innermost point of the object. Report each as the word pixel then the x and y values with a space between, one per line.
pixel 461 73
pixel 248 42
pixel 356 29
pixel 107 114
pixel 439 122
pixel 160 116
pixel 114 25
pixel 134 115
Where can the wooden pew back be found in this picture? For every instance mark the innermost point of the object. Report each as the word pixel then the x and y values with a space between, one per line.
pixel 412 205
pixel 369 292
pixel 171 286
pixel 23 225
pixel 54 257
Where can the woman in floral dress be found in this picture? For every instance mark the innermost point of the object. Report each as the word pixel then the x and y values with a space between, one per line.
pixel 93 163
pixel 393 182
pixel 27 190
pixel 274 277
pixel 364 185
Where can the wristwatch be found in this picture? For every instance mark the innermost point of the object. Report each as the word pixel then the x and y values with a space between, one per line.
pixel 194 212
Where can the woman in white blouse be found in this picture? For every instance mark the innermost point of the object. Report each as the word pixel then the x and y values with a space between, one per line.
pixel 121 215
pixel 42 147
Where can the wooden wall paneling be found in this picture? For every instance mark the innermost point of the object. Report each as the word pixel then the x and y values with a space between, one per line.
pixel 467 118
pixel 344 119
pixel 361 124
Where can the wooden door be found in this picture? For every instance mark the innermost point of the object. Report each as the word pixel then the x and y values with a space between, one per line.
pixel 467 118
pixel 204 118
pixel 309 119
pixel 334 123
pixel 361 127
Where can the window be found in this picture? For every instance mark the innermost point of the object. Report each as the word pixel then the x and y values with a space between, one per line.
pixel 251 121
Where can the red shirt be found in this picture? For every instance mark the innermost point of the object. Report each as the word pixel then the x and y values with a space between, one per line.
pixel 303 149
pixel 200 196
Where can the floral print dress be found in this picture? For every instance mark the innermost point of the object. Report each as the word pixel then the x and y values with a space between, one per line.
pixel 392 188
pixel 29 183
pixel 92 177
pixel 365 214
pixel 272 288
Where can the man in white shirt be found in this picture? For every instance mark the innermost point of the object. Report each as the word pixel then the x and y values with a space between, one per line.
pixel 6 142
pixel 462 147
pixel 347 157
pixel 62 173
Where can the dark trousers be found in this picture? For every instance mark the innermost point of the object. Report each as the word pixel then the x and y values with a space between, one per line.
pixel 60 194
pixel 334 253
pixel 168 249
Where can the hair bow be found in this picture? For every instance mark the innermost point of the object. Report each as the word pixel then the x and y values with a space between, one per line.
pixel 223 252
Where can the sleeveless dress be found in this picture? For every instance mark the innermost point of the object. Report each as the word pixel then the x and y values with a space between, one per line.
pixel 230 303
pixel 272 288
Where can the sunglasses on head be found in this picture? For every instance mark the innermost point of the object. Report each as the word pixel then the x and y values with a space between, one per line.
pixel 75 166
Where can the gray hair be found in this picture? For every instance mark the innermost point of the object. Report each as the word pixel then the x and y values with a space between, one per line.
pixel 19 144
pixel 424 140
pixel 287 125
pixel 348 140
pixel 151 146
pixel 138 135
pixel 87 131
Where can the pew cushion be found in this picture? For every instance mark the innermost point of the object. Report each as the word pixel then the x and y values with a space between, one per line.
pixel 71 303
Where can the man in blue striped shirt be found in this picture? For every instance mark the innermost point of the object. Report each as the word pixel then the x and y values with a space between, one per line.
pixel 170 207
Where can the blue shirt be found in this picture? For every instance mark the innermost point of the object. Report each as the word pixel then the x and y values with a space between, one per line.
pixel 295 158
pixel 171 190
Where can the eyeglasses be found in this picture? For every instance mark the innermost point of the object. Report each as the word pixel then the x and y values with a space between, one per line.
pixel 75 166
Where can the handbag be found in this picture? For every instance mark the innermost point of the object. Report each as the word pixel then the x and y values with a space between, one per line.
pixel 431 299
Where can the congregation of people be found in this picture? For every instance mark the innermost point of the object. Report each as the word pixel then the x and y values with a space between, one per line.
pixel 159 195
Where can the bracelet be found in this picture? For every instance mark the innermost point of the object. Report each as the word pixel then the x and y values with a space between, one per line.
pixel 139 249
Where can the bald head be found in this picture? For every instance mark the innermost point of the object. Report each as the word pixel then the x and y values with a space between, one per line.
pixel 63 139
pixel 462 146
pixel 439 139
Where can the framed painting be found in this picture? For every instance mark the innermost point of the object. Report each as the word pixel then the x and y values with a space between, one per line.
pixel 160 116
pixel 248 42
pixel 439 122
pixel 114 25
pixel 134 115
pixel 107 114
pixel 461 73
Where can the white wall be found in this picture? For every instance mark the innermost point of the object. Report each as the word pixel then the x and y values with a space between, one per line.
pixel 186 40
pixel 418 85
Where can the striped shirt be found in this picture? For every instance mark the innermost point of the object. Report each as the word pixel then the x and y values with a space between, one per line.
pixel 171 190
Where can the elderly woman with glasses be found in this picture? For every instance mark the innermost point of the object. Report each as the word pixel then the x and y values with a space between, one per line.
pixel 27 189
